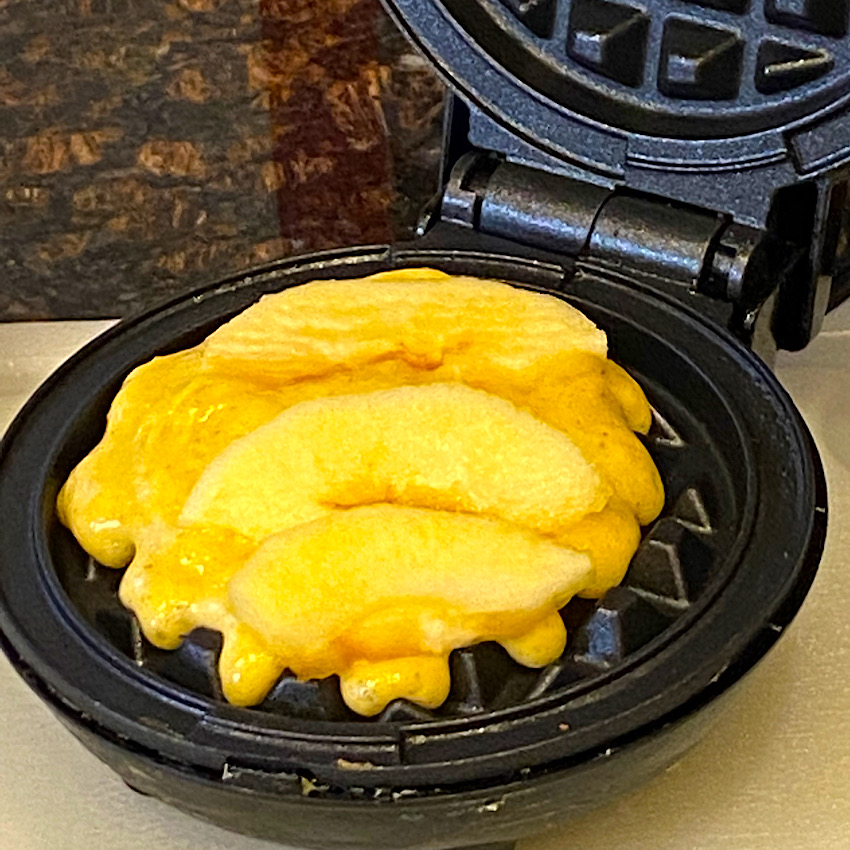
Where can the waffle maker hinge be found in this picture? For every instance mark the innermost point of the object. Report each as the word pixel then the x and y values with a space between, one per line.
pixel 769 283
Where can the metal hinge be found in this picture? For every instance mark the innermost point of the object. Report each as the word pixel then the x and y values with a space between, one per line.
pixel 699 251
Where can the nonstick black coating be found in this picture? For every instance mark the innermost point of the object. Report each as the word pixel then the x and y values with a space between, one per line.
pixel 673 86
pixel 753 65
pixel 714 584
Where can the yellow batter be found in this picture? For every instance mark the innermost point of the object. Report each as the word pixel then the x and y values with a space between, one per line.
pixel 357 477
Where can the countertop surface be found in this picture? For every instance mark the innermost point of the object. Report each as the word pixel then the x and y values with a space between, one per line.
pixel 774 773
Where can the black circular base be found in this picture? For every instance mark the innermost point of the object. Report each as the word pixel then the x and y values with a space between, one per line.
pixel 715 582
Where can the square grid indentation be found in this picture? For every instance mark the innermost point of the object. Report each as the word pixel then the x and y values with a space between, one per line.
pixel 695 50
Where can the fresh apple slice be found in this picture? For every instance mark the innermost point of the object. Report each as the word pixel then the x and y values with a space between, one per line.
pixel 383 582
pixel 418 315
pixel 442 446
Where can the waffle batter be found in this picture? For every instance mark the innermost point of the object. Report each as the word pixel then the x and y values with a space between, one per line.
pixel 276 483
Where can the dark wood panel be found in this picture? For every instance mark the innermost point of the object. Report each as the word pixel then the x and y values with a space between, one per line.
pixel 146 147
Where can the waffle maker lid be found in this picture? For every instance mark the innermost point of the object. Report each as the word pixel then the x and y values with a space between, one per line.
pixel 737 108
pixel 652 93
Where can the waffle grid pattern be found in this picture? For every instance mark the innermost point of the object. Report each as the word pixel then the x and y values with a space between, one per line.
pixel 750 51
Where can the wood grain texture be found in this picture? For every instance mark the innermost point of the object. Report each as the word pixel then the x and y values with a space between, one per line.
pixel 147 147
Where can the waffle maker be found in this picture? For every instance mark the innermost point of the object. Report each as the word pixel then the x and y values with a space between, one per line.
pixel 674 169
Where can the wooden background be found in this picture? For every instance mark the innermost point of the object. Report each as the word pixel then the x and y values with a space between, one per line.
pixel 146 147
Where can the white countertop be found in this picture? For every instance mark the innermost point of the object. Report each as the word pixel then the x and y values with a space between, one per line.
pixel 774 774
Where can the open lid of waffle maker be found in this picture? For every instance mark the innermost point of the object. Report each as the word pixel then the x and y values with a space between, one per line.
pixel 674 170
pixel 701 141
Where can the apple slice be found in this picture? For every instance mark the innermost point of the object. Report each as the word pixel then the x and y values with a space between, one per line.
pixel 441 446
pixel 416 315
pixel 387 582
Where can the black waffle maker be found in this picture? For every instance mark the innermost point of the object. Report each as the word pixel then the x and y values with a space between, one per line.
pixel 675 169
